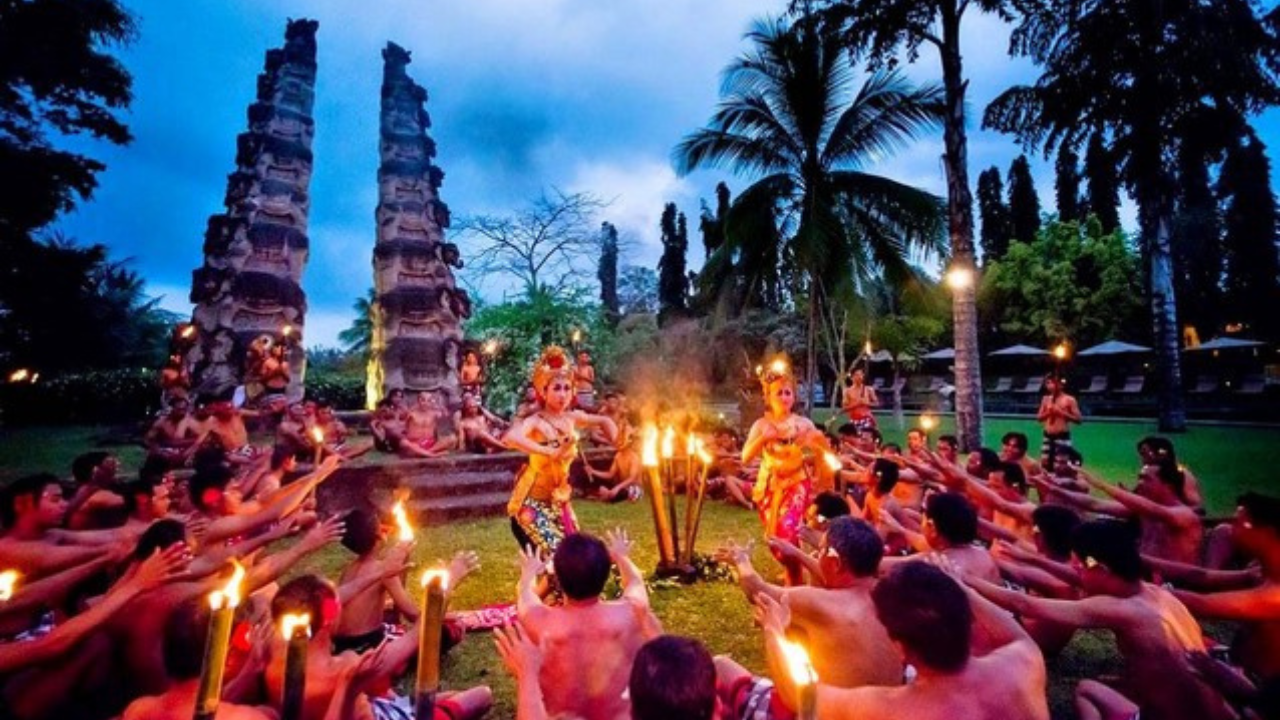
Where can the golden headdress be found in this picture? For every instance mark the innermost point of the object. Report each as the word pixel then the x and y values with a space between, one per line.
pixel 778 369
pixel 554 363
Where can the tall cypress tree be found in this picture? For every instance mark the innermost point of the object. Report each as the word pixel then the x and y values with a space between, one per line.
pixel 1250 219
pixel 1024 203
pixel 994 214
pixel 1067 184
pixel 672 281
pixel 607 272
pixel 712 226
pixel 1102 198
pixel 1196 244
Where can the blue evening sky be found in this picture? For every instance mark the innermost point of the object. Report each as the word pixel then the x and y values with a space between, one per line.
pixel 525 94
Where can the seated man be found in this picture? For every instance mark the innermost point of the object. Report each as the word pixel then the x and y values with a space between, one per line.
pixel 848 645
pixel 337 439
pixel 1153 630
pixel 950 528
pixel 173 436
pixel 673 678
pixel 217 499
pixel 94 505
pixel 1153 450
pixel 1013 448
pixel 480 429
pixel 294 430
pixel 226 429
pixel 421 438
pixel 185 633
pixel 31 511
pixel 931 620
pixel 1255 532
pixel 147 498
pixel 387 427
pixel 1005 495
pixel 611 632
pixel 328 674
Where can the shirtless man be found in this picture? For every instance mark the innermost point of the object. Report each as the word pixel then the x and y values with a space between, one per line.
pixel 471 374
pixel 949 449
pixel 1171 529
pixel 478 427
pixel 1153 630
pixel 420 428
pixel 950 528
pixel 584 382
pixel 931 619
pixel 1013 448
pixel 95 504
pixel 226 428
pixel 173 436
pixel 1058 411
pixel 847 644
pixel 859 400
pixel 32 509
pixel 336 437
pixel 1256 534
pixel 185 633
pixel 327 672
pixel 147 499
pixel 217 499
pixel 1152 450
pixel 1005 493
pixel 175 380
pixel 611 632
pixel 917 443
pixel 294 429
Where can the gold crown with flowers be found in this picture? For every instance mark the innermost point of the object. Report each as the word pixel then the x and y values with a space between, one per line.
pixel 778 369
pixel 554 363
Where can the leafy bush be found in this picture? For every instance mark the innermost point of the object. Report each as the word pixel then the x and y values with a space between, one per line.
pixel 341 388
pixel 103 396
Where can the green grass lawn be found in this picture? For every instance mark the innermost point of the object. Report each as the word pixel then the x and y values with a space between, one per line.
pixel 1227 461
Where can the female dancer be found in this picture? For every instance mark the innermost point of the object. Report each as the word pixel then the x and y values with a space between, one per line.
pixel 539 507
pixel 784 485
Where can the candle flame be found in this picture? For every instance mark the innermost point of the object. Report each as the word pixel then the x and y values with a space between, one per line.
pixel 649 446
pixel 19 375
pixel 798 665
pixel 8 582
pixel 833 461
pixel 928 422
pixel 229 595
pixel 404 529
pixel 290 623
pixel 668 442
pixel 438 573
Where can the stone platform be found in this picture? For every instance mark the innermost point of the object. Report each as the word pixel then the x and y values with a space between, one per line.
pixel 443 489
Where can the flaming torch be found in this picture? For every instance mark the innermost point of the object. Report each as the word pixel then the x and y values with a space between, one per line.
pixel 404 530
pixel 427 683
pixel 693 518
pixel 296 630
pixel 223 603
pixel 804 677
pixel 318 436
pixel 669 485
pixel 649 460
pixel 8 584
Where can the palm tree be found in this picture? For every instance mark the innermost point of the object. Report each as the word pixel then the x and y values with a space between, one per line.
pixel 1151 76
pixel 358 338
pixel 788 112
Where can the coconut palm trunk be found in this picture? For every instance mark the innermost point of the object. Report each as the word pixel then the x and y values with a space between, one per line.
pixel 968 397
pixel 1156 214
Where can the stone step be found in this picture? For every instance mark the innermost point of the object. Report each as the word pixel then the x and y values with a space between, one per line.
pixel 461 507
pixel 434 484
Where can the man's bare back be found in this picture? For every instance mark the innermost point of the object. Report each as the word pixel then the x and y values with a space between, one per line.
pixel 589 651
pixel 848 645
pixel 179 703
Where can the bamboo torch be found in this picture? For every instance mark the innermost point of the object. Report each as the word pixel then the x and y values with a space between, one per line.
pixel 835 466
pixel 296 629
pixel 804 677
pixel 690 452
pixel 434 585
pixel 695 516
pixel 649 460
pixel 223 603
pixel 668 466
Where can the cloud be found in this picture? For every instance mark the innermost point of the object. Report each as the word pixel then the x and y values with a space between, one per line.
pixel 637 190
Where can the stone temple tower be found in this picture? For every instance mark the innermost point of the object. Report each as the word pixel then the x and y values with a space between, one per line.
pixel 254 253
pixel 417 332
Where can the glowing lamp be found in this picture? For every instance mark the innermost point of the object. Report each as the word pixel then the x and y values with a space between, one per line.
pixel 959 278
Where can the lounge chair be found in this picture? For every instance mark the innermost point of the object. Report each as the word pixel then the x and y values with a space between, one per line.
pixel 1097 385
pixel 1004 384
pixel 1252 385
pixel 1034 385
pixel 1133 385
pixel 877 383
pixel 1205 384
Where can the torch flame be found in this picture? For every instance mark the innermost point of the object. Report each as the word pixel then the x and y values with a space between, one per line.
pixel 1060 351
pixel 701 450
pixel 668 442
pixel 287 330
pixel 833 461
pixel 318 435
pixel 927 422
pixel 490 347
pixel 649 446
pixel 798 665
pixel 778 367
pixel 441 573
pixel 19 375
pixel 291 622
pixel 8 582
pixel 577 335
pixel 188 331
pixel 405 530
pixel 691 444
pixel 229 595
